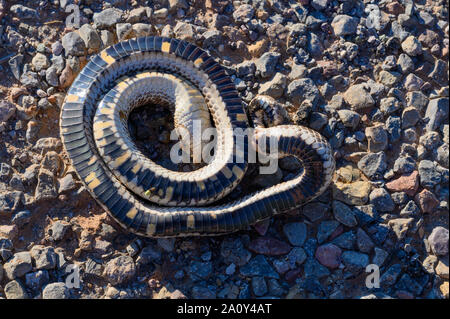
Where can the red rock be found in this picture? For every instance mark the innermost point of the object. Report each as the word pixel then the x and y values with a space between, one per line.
pixel 394 8
pixel 262 226
pixel 329 255
pixel 426 201
pixel 67 76
pixel 293 274
pixel 269 246
pixel 406 183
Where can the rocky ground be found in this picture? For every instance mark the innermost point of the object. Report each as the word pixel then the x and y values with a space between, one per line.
pixel 371 76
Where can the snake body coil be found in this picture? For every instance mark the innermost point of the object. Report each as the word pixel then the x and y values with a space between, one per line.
pixel 125 182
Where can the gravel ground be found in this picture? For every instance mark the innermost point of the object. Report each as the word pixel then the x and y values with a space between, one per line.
pixel 371 76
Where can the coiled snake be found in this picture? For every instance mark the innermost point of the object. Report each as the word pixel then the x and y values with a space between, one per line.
pixel 125 182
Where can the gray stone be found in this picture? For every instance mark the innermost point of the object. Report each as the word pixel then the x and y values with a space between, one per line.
pixel 346 240
pixel 315 211
pixel 438 241
pixel 373 165
pixel 358 96
pixel 442 155
pixel 355 262
pixel 44 257
pixel 58 230
pixel 410 117
pixel 314 268
pixel 243 13
pixel 30 79
pixel 380 256
pixel 381 199
pixel 429 175
pixel 120 270
pixel 404 164
pixel 200 270
pixel 440 72
pixel 410 210
pixel 390 276
pixel 21 218
pixel 303 89
pixel 258 266
pixel 266 64
pixel 295 233
pixel 365 244
pixel 344 25
pixel 15 290
pixel 417 99
pixel 73 44
pixel 18 266
pixel 349 118
pixel 232 251
pixel 319 4
pixel 259 286
pixel 107 18
pixel 40 62
pixel 36 280
pixel 51 76
pixel 436 113
pixel 325 229
pixel 411 46
pixel 389 105
pixel 344 214
pixel 11 201
pixel 405 63
pixel 90 37
pixel 123 31
pixel 57 290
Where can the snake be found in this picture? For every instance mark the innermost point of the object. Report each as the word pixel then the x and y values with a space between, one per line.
pixel 150 200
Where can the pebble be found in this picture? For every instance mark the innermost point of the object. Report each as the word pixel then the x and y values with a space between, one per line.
pixel 258 266
pixel 344 214
pixel 438 241
pixel 429 175
pixel 232 251
pixel 107 18
pixel 412 46
pixel 364 242
pixel 400 226
pixel 344 25
pixel 436 113
pixel 18 265
pixel 120 270
pixel 356 193
pixel 266 64
pixel 56 290
pixel 73 44
pixel 373 165
pixel 382 200
pixel 377 138
pixel 358 97
pixel 329 255
pixel 426 200
pixel 408 183
pixel 15 290
pixel 295 233
pixel 268 246
pixel 355 262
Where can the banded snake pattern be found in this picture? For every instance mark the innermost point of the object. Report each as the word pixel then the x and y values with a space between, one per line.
pixel 148 199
